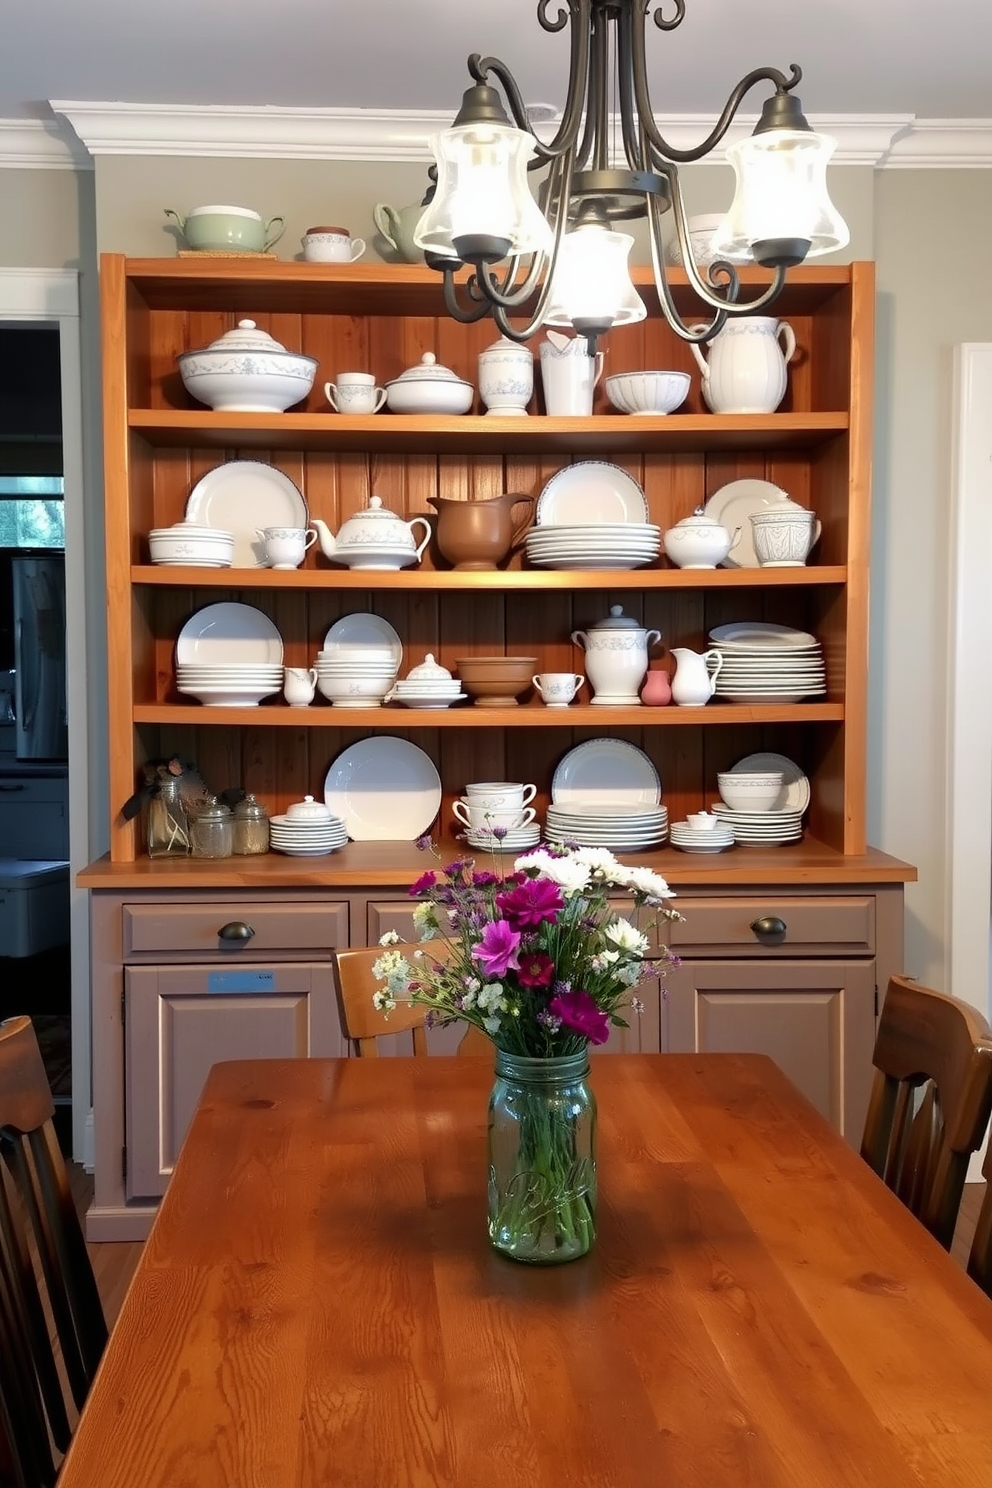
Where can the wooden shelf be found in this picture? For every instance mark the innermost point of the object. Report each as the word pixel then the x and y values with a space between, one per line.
pixel 500 579
pixel 277 715
pixel 479 435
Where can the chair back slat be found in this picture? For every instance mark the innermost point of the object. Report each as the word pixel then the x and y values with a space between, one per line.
pixel 931 1100
pixel 980 1259
pixel 364 1026
pixel 44 1269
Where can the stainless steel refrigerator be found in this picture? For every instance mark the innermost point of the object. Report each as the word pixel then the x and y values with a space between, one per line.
pixel 39 656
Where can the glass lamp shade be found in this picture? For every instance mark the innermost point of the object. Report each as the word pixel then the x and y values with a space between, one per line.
pixel 483 194
pixel 592 285
pixel 781 199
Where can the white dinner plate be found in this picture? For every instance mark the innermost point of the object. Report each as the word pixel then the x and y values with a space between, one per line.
pixel 588 493
pixel 244 495
pixel 757 636
pixel 733 506
pixel 794 795
pixel 383 789
pixel 229 632
pixel 363 629
pixel 606 770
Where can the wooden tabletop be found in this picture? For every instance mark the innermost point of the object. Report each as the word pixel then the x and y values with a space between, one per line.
pixel 318 1304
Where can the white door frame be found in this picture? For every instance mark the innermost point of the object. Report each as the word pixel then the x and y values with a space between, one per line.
pixel 51 296
pixel 968 908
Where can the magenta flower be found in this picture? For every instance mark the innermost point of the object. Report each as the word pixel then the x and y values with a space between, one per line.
pixel 535 970
pixel 484 880
pixel 531 903
pixel 425 882
pixel 577 1010
pixel 498 950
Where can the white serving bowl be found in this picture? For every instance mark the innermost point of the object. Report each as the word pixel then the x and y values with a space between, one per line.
pixel 246 371
pixel 429 388
pixel 754 791
pixel 411 699
pixel 647 392
pixel 354 692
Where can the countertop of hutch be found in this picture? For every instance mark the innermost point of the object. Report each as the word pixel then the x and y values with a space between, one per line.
pixel 397 864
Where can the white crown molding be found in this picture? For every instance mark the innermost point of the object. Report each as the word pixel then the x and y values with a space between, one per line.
pixel 39 144
pixel 945 143
pixel 878 140
pixel 39 294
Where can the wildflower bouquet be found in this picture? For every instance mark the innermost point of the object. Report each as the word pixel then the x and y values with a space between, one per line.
pixel 541 962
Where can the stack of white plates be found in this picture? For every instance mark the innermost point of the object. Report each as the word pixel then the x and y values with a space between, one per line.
pixel 598 545
pixel 762 828
pixel 619 827
pixel 711 840
pixel 516 839
pixel 354 684
pixel 765 663
pixel 236 684
pixel 303 837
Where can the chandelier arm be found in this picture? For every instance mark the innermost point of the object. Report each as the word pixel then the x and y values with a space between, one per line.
pixel 634 145
pixel 659 145
pixel 481 68
pixel 669 309
pixel 487 285
pixel 464 314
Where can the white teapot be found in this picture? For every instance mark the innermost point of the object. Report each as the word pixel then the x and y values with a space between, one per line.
pixel 374 539
pixel 746 369
pixel 616 658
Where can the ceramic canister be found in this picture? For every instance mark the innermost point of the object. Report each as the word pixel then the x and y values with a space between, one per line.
pixel 616 658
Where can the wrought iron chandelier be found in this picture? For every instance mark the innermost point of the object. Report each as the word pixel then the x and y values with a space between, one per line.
pixel 564 262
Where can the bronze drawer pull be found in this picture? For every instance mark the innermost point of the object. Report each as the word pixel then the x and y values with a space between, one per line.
pixel 235 930
pixel 770 930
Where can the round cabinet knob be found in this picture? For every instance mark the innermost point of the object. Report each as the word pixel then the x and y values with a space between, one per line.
pixel 235 930
pixel 769 929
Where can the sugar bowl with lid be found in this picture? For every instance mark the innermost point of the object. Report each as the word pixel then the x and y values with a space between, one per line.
pixel 429 388
pixel 699 541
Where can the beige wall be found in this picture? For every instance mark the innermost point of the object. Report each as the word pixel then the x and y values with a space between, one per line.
pixel 44 215
pixel 892 215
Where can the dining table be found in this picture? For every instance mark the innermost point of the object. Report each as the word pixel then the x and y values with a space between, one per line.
pixel 318 1303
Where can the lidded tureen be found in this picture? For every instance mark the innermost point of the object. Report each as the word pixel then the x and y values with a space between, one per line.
pixel 375 538
pixel 247 371
pixel 429 388
pixel 699 541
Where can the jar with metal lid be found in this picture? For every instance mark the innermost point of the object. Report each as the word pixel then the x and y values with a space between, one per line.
pixel 167 830
pixel 251 827
pixel 212 831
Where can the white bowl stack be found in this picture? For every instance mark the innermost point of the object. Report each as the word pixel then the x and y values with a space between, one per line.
pixel 750 808
pixel 713 839
pixel 308 829
pixel 189 546
pixel 598 545
pixel 356 676
pixel 233 684
pixel 619 827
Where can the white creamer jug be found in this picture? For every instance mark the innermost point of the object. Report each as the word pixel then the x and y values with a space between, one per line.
pixel 746 368
pixel 695 676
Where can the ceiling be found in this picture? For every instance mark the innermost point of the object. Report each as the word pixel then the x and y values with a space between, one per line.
pixel 858 56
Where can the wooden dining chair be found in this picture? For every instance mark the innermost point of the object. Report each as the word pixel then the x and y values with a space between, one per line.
pixel 363 1025
pixel 980 1256
pixel 931 1100
pixel 44 1269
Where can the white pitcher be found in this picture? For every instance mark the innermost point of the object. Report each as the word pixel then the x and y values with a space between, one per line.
pixel 695 676
pixel 568 374
pixel 746 369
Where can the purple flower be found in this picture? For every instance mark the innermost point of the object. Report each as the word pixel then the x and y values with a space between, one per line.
pixel 425 843
pixel 535 970
pixel 497 951
pixel 424 884
pixel 577 1010
pixel 484 880
pixel 531 903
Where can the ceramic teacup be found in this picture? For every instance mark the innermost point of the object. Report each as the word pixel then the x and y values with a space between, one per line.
pixel 499 795
pixel 783 539
pixel 558 688
pixel 331 245
pixel 702 821
pixel 285 547
pixel 354 392
pixel 299 685
pixel 485 818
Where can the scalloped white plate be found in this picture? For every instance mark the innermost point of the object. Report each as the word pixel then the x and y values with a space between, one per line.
pixel 591 492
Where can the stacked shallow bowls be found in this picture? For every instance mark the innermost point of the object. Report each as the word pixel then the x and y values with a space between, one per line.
pixel 189 546
pixel 711 839
pixel 619 827
pixel 599 545
pixel 765 663
pixel 233 684
pixel 356 676
pixel 427 686
pixel 750 808
pixel 308 829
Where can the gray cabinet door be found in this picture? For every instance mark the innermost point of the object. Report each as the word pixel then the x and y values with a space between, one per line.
pixel 181 1020
pixel 816 1019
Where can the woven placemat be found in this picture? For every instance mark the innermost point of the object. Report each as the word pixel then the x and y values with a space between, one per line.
pixel 221 253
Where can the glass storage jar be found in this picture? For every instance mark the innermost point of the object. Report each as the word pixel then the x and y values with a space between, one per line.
pixel 251 827
pixel 212 831
pixel 166 827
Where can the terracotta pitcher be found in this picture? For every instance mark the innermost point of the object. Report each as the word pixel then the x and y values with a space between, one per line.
pixel 479 534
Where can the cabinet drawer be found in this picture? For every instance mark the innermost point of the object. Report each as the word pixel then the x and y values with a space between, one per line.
pixel 181 928
pixel 844 925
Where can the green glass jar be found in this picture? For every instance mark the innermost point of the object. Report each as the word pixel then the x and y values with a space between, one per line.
pixel 542 1158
